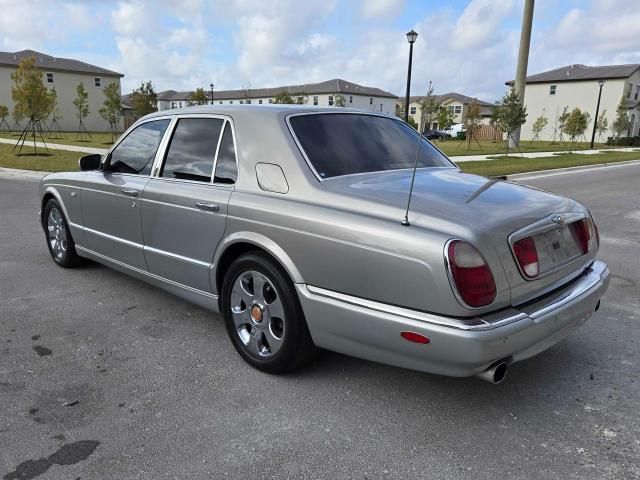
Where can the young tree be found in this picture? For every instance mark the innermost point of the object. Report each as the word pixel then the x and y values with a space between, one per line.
pixel 4 112
pixel 54 127
pixel 339 100
pixel 538 126
pixel 144 100
pixel 283 98
pixel 576 124
pixel 429 106
pixel 472 121
pixel 445 117
pixel 511 114
pixel 602 125
pixel 112 108
pixel 413 123
pixel 622 122
pixel 199 97
pixel 31 99
pixel 81 103
pixel 562 119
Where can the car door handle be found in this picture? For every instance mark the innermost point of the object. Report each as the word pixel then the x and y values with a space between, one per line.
pixel 131 193
pixel 209 207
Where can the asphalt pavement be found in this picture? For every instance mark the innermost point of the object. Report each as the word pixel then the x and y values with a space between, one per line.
pixel 105 377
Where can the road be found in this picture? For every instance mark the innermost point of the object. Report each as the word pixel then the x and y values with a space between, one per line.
pixel 161 393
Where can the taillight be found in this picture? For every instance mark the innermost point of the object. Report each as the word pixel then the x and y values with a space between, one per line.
pixel 582 234
pixel 471 274
pixel 527 256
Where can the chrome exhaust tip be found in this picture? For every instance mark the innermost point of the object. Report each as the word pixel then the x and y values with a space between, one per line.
pixel 495 374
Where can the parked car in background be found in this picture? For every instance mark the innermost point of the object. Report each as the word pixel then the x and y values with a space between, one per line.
pixel 290 221
pixel 455 130
pixel 433 134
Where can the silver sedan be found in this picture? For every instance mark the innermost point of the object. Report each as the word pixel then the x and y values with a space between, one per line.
pixel 331 228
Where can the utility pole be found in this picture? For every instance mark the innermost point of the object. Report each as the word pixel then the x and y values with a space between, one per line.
pixel 523 60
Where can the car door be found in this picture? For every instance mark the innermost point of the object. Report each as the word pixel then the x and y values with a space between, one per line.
pixel 111 196
pixel 185 202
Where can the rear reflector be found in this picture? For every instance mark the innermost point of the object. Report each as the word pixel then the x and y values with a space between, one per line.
pixel 527 256
pixel 582 234
pixel 471 274
pixel 415 337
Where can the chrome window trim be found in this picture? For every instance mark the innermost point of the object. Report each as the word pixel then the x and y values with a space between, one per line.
pixel 542 226
pixel 165 144
pixel 106 158
pixel 348 111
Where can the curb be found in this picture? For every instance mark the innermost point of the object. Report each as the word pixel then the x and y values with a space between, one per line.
pixel 22 174
pixel 567 170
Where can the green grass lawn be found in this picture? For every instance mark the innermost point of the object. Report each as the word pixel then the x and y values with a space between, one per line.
pixel 510 165
pixel 486 147
pixel 47 161
pixel 98 139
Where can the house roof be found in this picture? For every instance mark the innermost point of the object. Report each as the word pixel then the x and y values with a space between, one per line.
pixel 47 62
pixel 336 85
pixel 579 72
pixel 452 96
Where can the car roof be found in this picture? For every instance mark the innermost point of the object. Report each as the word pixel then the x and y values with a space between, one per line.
pixel 265 109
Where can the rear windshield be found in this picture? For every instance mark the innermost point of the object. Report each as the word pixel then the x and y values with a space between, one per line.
pixel 344 143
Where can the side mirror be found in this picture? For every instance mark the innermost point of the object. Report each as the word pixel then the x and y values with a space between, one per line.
pixel 90 162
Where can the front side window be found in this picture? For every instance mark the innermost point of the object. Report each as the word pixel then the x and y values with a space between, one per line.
pixel 192 149
pixel 226 167
pixel 136 152
pixel 344 144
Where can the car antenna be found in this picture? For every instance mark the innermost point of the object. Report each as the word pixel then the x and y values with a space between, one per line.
pixel 405 220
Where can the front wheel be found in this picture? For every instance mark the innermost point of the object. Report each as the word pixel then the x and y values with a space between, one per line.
pixel 263 316
pixel 59 240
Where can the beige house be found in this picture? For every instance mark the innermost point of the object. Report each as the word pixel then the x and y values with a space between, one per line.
pixel 328 93
pixel 547 93
pixel 457 103
pixel 63 74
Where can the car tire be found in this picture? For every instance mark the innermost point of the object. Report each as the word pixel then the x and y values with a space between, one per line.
pixel 263 316
pixel 58 236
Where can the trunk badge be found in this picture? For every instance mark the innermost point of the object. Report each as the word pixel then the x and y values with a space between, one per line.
pixel 559 219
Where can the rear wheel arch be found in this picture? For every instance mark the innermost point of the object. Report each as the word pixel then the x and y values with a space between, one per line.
pixel 239 244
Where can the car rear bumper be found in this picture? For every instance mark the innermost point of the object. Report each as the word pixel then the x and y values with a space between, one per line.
pixel 457 347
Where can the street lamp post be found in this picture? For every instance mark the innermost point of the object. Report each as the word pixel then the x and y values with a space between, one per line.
pixel 595 120
pixel 411 38
pixel 211 85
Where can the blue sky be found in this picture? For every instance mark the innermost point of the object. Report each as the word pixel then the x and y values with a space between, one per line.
pixel 464 46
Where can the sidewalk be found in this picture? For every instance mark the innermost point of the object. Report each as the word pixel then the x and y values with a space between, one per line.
pixel 57 146
pixel 515 153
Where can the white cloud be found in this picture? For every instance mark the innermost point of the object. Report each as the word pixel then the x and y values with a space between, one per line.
pixel 130 17
pixel 382 9
pixel 480 22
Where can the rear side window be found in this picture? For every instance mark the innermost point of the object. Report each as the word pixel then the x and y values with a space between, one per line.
pixel 343 144
pixel 192 149
pixel 136 152
pixel 226 168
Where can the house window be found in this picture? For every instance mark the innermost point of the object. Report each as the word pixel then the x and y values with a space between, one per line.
pixel 241 102
pixel 180 104
pixel 330 100
pixel 49 77
pixel 412 110
pixel 457 109
pixel 630 88
pixel 552 89
pixel 230 102
pixel 260 102
pixel 97 81
pixel 248 101
pixel 315 100
pixel 220 102
pixel 271 100
pixel 350 98
pixel 635 97
pixel 173 104
pixel 371 101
